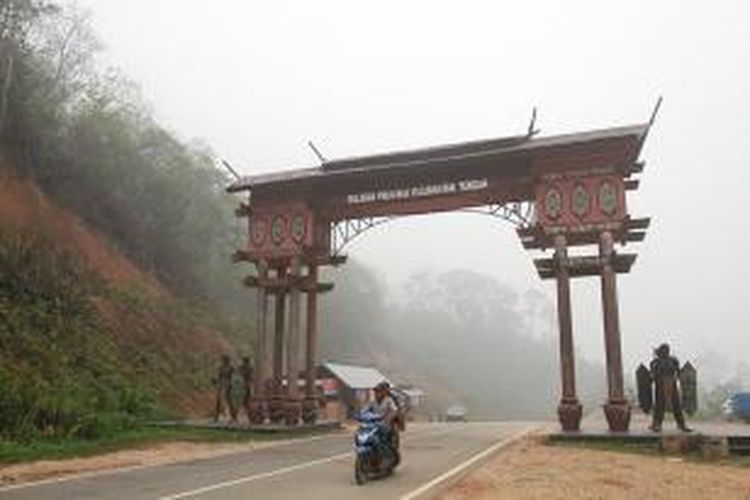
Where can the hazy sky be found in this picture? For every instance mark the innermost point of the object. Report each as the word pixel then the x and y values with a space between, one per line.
pixel 257 80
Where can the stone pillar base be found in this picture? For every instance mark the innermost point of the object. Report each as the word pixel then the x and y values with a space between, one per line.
pixel 276 409
pixel 292 411
pixel 618 415
pixel 569 414
pixel 310 410
pixel 255 411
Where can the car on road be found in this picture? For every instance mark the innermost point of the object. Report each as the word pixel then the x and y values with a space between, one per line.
pixel 737 406
pixel 456 413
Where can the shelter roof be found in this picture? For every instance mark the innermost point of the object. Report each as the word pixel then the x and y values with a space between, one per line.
pixel 356 377
pixel 439 155
pixel 413 392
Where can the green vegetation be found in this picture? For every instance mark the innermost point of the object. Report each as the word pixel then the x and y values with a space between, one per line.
pixel 81 358
pixel 85 135
pixel 59 370
pixel 84 359
pixel 615 445
pixel 70 370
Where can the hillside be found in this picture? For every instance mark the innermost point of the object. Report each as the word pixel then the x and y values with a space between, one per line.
pixel 84 331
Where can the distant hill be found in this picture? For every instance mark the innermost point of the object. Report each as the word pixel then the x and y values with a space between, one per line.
pixel 462 336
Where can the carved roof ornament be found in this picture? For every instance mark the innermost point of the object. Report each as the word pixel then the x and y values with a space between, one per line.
pixel 553 202
pixel 581 201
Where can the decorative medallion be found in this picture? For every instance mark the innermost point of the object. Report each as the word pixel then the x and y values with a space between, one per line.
pixel 299 228
pixel 278 229
pixel 258 229
pixel 581 201
pixel 553 203
pixel 607 198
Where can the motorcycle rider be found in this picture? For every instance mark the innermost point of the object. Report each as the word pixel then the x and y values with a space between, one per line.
pixel 385 406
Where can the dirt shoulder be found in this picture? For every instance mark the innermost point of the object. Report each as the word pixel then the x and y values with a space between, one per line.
pixel 531 469
pixel 148 455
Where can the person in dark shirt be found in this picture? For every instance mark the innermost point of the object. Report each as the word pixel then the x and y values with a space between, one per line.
pixel 246 374
pixel 665 374
pixel 224 389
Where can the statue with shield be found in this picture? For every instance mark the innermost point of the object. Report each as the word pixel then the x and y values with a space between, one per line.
pixel 664 386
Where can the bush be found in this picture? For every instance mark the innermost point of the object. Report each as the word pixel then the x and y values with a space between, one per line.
pixel 59 374
pixel 103 425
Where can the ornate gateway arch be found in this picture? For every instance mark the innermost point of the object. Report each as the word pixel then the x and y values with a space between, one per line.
pixel 559 191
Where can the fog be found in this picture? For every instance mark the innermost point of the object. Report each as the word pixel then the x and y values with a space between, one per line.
pixel 257 80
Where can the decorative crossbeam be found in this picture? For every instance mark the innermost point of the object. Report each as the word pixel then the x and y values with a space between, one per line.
pixel 583 266
pixel 533 237
pixel 287 283
pixel 315 260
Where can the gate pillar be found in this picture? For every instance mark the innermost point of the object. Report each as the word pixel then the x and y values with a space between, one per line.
pixel 569 410
pixel 293 406
pixel 276 404
pixel 256 410
pixel 617 408
pixel 310 407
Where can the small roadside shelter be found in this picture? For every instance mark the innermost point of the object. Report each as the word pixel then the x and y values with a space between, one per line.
pixel 347 388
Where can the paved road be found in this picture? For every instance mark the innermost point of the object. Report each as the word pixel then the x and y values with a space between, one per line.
pixel 316 468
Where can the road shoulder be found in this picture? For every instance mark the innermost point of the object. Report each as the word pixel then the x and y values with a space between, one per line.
pixel 143 456
pixel 532 469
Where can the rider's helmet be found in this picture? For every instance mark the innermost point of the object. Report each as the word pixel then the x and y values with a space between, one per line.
pixel 383 386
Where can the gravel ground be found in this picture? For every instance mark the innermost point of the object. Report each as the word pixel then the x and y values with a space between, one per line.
pixel 532 470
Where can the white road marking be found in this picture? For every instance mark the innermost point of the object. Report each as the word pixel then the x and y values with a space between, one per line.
pixel 97 473
pixel 426 431
pixel 256 477
pixel 463 466
pixel 285 470
pixel 87 475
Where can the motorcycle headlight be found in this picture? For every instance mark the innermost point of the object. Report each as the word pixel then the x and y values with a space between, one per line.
pixel 361 438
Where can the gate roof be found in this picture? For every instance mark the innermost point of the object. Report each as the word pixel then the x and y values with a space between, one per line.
pixel 625 141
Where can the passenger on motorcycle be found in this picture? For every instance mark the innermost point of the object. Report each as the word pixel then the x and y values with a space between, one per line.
pixel 386 408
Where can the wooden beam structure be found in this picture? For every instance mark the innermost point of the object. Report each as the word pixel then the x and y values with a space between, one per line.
pixel 583 266
pixel 560 191
pixel 287 283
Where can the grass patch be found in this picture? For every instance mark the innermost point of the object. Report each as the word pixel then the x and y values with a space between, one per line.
pixel 612 445
pixel 61 448
pixel 644 448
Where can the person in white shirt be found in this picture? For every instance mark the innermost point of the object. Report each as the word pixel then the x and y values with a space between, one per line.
pixel 383 405
pixel 386 408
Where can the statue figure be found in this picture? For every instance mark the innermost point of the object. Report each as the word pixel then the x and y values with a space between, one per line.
pixel 664 373
pixel 224 389
pixel 246 375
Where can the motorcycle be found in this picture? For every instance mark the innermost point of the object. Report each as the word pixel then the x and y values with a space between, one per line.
pixel 377 453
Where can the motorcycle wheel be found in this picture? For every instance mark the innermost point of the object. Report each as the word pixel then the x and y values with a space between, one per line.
pixel 396 459
pixel 360 476
pixel 396 447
